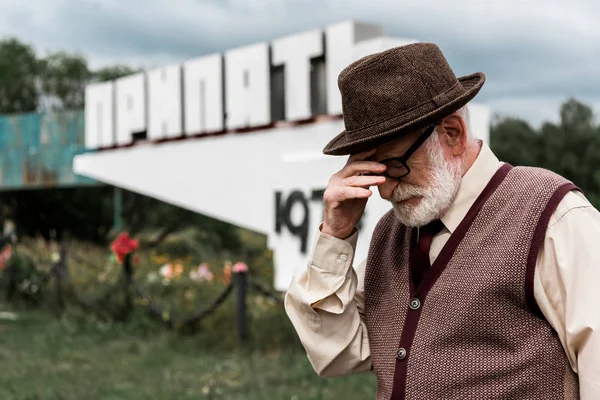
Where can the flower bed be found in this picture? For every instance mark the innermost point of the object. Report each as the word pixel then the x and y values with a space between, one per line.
pixel 179 286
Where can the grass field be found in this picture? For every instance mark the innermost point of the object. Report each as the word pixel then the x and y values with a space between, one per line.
pixel 75 357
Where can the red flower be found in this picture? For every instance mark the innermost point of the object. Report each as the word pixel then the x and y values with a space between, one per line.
pixel 123 245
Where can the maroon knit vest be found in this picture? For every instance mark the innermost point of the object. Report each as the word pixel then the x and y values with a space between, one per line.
pixel 472 329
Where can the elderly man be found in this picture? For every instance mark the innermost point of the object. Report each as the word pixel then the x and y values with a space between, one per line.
pixel 480 283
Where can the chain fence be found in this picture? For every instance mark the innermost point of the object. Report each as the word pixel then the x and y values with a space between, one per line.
pixel 131 293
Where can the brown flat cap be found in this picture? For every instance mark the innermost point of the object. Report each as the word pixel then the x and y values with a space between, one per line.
pixel 396 92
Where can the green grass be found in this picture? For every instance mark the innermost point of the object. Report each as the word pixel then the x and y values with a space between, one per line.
pixel 77 357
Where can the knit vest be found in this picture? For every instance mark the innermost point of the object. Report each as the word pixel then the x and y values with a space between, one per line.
pixel 472 329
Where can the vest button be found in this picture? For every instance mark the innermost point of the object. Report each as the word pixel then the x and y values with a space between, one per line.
pixel 401 353
pixel 415 304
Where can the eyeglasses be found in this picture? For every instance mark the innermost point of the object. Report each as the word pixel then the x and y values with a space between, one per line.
pixel 396 167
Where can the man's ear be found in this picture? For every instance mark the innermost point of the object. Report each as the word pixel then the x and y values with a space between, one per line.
pixel 454 134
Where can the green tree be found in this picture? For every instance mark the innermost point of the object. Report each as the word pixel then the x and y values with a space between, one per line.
pixel 576 116
pixel 63 78
pixel 570 148
pixel 515 142
pixel 55 82
pixel 18 77
pixel 112 72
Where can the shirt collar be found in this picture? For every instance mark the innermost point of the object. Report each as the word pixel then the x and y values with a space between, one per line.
pixel 471 186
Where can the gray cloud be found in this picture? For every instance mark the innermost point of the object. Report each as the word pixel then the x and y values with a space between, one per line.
pixel 535 53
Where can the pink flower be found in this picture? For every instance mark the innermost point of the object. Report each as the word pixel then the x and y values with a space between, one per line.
pixel 167 271
pixel 240 267
pixel 202 273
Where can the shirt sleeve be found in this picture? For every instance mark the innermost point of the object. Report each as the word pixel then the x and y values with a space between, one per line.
pixel 566 287
pixel 325 303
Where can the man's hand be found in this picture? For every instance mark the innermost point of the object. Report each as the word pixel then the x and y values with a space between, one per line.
pixel 347 193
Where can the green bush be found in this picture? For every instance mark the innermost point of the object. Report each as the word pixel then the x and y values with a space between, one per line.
pixel 95 290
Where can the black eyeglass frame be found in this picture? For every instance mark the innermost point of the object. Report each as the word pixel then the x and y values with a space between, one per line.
pixel 404 157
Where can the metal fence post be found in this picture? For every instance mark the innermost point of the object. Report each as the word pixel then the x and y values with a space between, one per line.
pixel 128 272
pixel 241 283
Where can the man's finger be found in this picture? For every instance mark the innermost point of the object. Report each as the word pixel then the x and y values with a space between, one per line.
pixel 343 193
pixel 360 156
pixel 364 181
pixel 363 167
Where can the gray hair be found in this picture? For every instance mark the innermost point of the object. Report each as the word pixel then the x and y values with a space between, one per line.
pixel 465 114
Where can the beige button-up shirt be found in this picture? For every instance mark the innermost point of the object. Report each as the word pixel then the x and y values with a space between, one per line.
pixel 326 301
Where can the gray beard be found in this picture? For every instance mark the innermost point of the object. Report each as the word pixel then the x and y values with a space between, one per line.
pixel 436 198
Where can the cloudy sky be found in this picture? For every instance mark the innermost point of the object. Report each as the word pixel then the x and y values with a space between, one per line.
pixel 535 53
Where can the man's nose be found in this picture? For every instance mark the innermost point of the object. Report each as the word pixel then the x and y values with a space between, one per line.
pixel 386 189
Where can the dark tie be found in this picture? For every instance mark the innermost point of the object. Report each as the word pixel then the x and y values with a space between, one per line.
pixel 419 256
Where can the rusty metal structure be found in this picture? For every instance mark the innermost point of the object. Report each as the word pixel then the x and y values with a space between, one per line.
pixel 37 150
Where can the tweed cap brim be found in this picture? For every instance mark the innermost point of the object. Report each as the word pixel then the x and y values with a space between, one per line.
pixel 351 142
